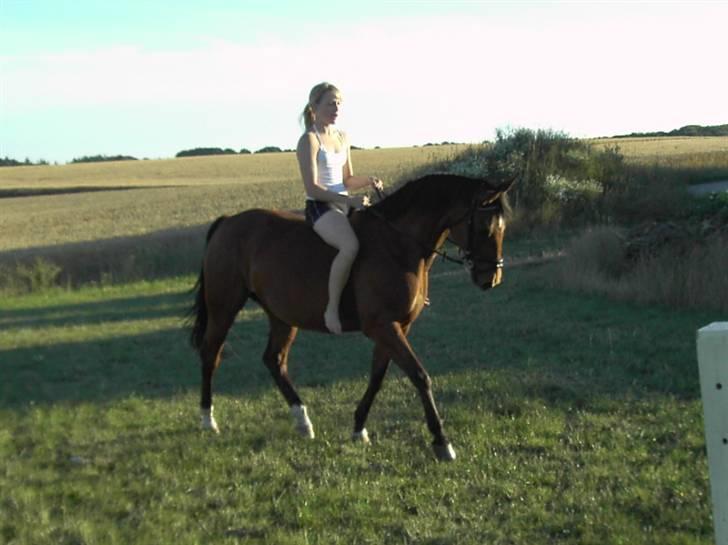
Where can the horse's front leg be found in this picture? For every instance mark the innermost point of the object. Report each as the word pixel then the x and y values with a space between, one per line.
pixel 391 338
pixel 380 364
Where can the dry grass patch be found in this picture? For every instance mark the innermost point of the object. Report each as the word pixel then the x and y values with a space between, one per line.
pixel 685 275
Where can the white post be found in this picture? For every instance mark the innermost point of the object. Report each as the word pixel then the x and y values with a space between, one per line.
pixel 713 365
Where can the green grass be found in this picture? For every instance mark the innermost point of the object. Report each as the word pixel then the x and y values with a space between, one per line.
pixel 575 420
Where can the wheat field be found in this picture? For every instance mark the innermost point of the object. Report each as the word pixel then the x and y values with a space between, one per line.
pixel 52 205
pixel 649 148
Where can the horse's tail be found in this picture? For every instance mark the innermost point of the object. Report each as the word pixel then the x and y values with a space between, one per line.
pixel 198 311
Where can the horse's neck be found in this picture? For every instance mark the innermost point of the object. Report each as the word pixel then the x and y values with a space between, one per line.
pixel 428 229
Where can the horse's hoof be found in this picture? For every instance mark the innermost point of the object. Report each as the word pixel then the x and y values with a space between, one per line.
pixel 207 420
pixel 444 453
pixel 361 437
pixel 306 432
pixel 303 424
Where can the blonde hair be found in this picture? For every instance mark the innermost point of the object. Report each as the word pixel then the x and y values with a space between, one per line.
pixel 314 98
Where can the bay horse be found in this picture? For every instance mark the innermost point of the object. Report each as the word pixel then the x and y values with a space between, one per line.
pixel 276 259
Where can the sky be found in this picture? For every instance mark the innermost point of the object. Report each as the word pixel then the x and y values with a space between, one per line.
pixel 151 78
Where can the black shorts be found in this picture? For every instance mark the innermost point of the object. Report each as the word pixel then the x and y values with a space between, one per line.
pixel 316 209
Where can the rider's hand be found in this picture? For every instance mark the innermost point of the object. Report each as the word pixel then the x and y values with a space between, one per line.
pixel 359 202
pixel 376 183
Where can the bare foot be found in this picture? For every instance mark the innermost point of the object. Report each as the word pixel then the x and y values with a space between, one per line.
pixel 331 319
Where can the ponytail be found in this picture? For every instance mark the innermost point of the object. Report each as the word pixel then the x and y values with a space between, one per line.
pixel 307 117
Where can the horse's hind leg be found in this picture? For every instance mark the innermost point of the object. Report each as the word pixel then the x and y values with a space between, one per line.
pixel 221 316
pixel 280 339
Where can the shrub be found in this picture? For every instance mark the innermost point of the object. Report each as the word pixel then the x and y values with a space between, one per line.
pixel 103 158
pixel 196 152
pixel 269 149
pixel 561 180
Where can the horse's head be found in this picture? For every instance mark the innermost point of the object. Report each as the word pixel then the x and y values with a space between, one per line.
pixel 479 234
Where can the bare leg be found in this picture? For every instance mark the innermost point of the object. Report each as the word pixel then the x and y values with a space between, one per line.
pixel 334 228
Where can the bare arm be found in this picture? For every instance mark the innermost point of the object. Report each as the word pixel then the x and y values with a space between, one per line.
pixel 352 182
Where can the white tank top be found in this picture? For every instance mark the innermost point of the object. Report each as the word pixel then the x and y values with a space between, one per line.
pixel 331 167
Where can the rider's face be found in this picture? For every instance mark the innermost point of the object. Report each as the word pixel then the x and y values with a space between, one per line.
pixel 327 109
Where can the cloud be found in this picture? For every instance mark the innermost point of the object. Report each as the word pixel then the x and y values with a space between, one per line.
pixel 405 80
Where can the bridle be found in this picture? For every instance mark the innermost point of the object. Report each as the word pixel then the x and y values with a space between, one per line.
pixel 466 254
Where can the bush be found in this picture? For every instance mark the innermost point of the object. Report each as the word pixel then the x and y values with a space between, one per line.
pixel 269 149
pixel 562 181
pixel 103 158
pixel 197 152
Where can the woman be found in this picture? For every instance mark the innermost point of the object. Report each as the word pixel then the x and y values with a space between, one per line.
pixel 324 157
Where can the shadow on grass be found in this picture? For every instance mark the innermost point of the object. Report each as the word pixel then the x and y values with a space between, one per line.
pixel 147 307
pixel 563 349
pixel 159 363
pixel 41 191
pixel 160 254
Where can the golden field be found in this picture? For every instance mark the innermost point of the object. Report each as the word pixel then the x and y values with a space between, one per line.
pixel 650 148
pixel 85 202
pixel 117 221
pixel 92 201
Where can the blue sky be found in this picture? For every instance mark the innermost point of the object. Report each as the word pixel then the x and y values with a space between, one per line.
pixel 152 78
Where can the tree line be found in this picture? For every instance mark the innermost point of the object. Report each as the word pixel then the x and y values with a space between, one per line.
pixel 687 130
pixel 227 151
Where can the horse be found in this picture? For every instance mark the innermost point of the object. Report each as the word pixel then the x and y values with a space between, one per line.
pixel 277 260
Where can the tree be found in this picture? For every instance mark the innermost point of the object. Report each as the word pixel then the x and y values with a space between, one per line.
pixel 269 149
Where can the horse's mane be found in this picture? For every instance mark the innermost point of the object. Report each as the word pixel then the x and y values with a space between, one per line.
pixel 429 192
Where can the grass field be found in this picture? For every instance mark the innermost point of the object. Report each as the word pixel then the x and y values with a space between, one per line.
pixel 576 420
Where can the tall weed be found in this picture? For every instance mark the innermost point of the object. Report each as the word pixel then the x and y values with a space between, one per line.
pixel 690 275
pixel 24 277
pixel 104 262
